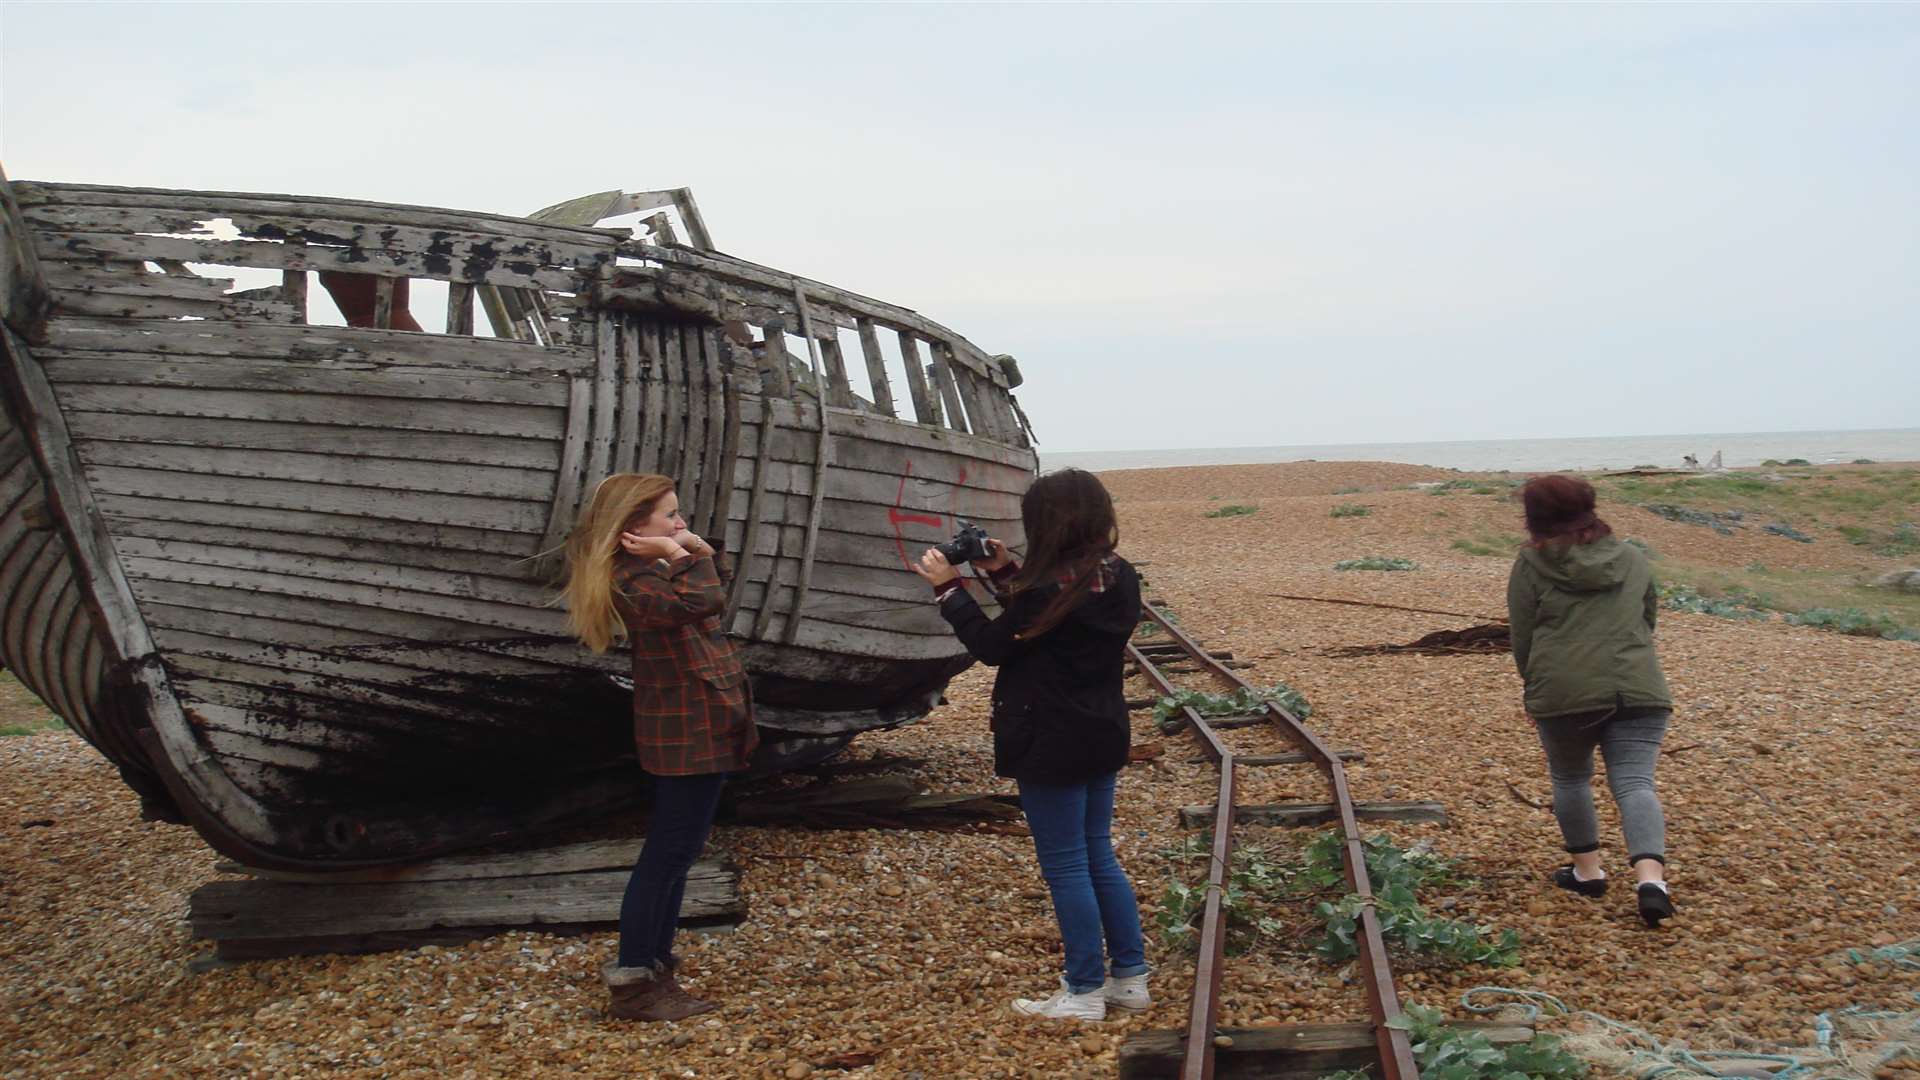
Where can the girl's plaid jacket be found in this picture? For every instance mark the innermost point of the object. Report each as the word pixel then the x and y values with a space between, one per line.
pixel 692 706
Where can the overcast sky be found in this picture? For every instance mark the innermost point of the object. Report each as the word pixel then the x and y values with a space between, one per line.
pixel 1195 226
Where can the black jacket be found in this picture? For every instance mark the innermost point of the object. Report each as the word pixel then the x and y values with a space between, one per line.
pixel 1059 701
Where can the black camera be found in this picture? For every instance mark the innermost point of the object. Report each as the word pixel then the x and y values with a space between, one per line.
pixel 967 545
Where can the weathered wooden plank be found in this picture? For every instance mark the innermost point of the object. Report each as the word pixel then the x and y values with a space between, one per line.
pixel 20 569
pixel 352 690
pixel 439 247
pixel 627 440
pixel 876 362
pixel 1301 814
pixel 673 434
pixel 941 372
pixel 462 262
pixel 723 441
pixel 445 558
pixel 475 611
pixel 515 453
pixel 116 306
pixel 338 346
pixel 563 859
pixel 653 398
pixel 571 484
pixel 914 616
pixel 351 525
pixel 926 406
pixel 693 457
pixel 459 418
pixel 329 570
pixel 826 635
pixel 66 368
pixel 392 474
pixel 839 389
pixel 20 635
pixel 606 400
pixel 213 204
pixel 372 623
pixel 1281 1051
pixel 35 659
pixel 261 912
pixel 383 303
pixel 293 288
pixel 468 511
pixel 459 307
pixel 425 689
pixel 133 279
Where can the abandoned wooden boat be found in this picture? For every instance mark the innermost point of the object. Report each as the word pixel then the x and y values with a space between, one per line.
pixel 294 579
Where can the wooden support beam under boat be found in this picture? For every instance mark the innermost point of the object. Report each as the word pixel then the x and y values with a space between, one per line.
pixel 561 890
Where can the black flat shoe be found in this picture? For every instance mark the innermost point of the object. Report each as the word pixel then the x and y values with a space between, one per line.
pixel 1655 904
pixel 1564 878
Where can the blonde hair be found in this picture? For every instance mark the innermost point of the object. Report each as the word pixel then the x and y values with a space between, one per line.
pixel 591 545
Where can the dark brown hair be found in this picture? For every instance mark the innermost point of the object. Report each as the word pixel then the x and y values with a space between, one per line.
pixel 1559 510
pixel 1070 527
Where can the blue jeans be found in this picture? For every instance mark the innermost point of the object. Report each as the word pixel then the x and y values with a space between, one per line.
pixel 1093 901
pixel 683 808
pixel 1629 740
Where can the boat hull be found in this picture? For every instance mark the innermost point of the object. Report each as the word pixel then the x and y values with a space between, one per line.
pixel 298 581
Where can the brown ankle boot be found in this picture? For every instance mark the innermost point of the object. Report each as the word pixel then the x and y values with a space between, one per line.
pixel 648 993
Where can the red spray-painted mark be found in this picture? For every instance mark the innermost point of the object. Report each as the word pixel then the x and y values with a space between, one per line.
pixel 897 517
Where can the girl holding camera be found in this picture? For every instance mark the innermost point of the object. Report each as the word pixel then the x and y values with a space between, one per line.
pixel 1581 604
pixel 1060 726
pixel 634 571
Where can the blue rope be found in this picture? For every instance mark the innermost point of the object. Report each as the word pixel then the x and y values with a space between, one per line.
pixel 1654 1057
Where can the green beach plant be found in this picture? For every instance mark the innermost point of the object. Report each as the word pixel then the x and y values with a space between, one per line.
pixel 1376 562
pixel 1238 703
pixel 1347 510
pixel 1233 510
pixel 1855 623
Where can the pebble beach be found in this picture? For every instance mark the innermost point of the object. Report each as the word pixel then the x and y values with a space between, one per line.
pixel 1789 781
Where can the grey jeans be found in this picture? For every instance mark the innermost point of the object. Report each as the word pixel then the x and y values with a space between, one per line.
pixel 1629 740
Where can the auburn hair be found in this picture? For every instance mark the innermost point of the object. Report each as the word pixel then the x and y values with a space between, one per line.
pixel 591 546
pixel 1071 529
pixel 1559 510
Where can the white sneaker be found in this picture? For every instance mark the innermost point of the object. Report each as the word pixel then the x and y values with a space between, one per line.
pixel 1129 992
pixel 1067 1005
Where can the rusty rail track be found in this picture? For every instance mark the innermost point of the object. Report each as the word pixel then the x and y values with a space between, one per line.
pixel 1383 1002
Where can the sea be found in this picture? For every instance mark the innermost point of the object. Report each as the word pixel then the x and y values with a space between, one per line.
pixel 1737 450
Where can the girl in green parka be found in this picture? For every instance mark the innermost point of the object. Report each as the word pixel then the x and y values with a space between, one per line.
pixel 1582 608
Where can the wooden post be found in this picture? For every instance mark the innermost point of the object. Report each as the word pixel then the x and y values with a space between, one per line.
pixel 926 407
pixel 876 367
pixel 949 391
pixel 773 362
pixel 459 308
pixel 383 303
pixel 838 388
pixel 818 497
